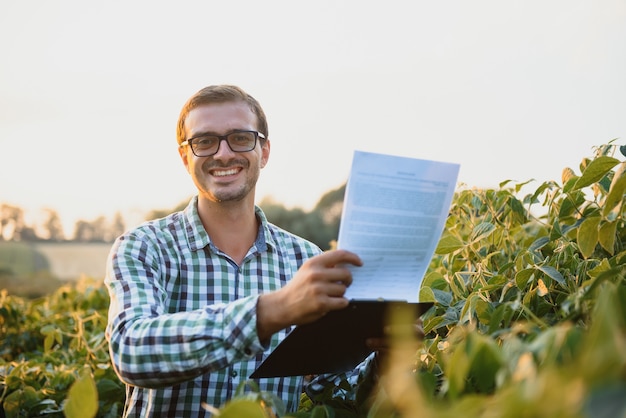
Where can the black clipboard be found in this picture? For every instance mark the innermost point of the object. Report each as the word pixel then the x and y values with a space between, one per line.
pixel 336 342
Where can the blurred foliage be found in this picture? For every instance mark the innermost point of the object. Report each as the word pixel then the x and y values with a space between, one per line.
pixel 321 225
pixel 530 307
pixel 21 259
pixel 54 358
pixel 529 317
pixel 13 227
pixel 24 271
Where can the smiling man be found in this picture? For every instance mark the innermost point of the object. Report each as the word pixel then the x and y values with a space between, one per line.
pixel 200 297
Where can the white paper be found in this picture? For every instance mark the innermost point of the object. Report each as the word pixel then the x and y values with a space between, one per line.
pixel 394 212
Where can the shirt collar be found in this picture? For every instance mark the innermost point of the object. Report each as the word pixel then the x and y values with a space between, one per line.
pixel 198 238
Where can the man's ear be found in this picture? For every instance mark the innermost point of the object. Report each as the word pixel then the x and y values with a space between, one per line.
pixel 265 153
pixel 182 151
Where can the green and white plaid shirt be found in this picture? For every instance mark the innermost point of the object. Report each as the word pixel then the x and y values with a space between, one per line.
pixel 182 320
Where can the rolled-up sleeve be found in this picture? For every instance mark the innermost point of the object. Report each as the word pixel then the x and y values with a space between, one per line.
pixel 153 348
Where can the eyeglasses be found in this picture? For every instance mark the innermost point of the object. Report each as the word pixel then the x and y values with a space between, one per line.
pixel 238 141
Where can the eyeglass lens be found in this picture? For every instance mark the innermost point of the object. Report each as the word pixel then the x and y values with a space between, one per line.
pixel 237 141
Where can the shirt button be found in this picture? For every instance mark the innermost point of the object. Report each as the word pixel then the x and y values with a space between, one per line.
pixel 233 373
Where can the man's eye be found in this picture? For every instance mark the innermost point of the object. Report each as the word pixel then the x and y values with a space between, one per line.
pixel 205 141
pixel 240 138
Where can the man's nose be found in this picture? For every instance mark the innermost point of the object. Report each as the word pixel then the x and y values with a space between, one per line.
pixel 223 149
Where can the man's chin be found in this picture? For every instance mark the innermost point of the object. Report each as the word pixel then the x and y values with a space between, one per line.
pixel 230 195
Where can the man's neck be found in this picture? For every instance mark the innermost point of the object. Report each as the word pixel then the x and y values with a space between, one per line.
pixel 232 226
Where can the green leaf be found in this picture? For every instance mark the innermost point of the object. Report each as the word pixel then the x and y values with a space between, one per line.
pixel 469 308
pixel 587 235
pixel 501 317
pixel 519 186
pixel 47 329
pixel 604 349
pixel 504 183
pixel 109 390
pixel 448 244
pixel 553 273
pixel 567 208
pixel 456 370
pixel 239 408
pixel 522 277
pixel 48 341
pixel 430 278
pixel 539 243
pixel 518 209
pixel 458 286
pixel 435 322
pixel 616 191
pixel 322 411
pixel 483 311
pixel 443 298
pixel 19 401
pixel 606 236
pixel 570 184
pixel 568 174
pixel 426 295
pixel 485 361
pixel 82 399
pixel 44 407
pixel 534 198
pixel 555 231
pixel 603 267
pixel 597 169
pixel 482 230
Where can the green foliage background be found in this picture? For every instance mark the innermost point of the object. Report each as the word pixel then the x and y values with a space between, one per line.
pixel 24 270
pixel 529 319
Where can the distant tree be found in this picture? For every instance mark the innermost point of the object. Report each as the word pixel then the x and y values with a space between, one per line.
pixel 53 227
pixel 11 222
pixel 27 233
pixel 83 231
pixel 320 226
pixel 99 229
pixel 117 228
pixel 279 215
pixel 330 207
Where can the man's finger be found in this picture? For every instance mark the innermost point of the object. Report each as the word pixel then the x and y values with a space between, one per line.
pixel 337 257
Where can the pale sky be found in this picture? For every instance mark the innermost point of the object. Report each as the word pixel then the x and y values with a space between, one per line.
pixel 90 91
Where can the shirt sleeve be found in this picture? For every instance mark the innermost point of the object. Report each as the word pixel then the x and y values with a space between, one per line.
pixel 152 348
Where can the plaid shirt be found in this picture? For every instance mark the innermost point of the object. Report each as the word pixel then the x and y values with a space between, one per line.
pixel 182 319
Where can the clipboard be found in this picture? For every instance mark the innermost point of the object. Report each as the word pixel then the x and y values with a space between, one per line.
pixel 336 342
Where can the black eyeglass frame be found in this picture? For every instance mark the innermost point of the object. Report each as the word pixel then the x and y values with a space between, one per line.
pixel 257 135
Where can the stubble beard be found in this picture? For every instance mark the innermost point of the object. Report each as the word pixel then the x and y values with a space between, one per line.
pixel 237 195
pixel 234 193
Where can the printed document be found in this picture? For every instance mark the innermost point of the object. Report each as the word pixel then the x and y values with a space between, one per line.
pixel 394 211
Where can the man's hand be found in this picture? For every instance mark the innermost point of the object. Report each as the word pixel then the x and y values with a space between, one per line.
pixel 317 288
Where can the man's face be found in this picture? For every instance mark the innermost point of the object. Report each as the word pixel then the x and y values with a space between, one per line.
pixel 226 175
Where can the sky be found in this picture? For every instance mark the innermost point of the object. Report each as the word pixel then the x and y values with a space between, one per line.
pixel 90 92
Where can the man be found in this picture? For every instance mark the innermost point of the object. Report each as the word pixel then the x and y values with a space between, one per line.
pixel 199 297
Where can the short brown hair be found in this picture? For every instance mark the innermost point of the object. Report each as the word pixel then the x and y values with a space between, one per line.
pixel 220 94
